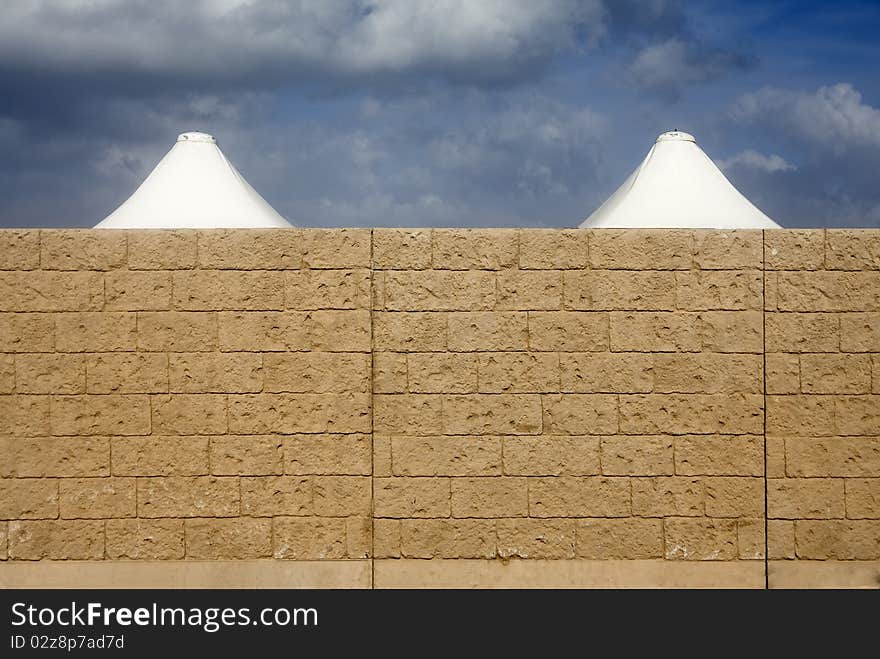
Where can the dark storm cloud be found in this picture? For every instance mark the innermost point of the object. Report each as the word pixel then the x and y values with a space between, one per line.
pixel 400 112
pixel 108 84
pixel 646 19
pixel 66 66
pixel 146 48
pixel 671 66
pixel 247 43
pixel 664 54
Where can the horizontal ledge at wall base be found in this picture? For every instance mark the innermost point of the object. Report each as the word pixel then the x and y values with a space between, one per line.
pixel 185 574
pixel 824 574
pixel 463 573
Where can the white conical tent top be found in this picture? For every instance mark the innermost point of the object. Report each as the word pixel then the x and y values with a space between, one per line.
pixel 194 187
pixel 677 186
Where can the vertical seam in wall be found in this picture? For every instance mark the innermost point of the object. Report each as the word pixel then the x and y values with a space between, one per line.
pixel 764 406
pixel 372 423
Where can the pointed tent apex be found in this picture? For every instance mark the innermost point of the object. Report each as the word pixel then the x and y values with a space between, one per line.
pixel 675 136
pixel 195 136
pixel 677 186
pixel 194 187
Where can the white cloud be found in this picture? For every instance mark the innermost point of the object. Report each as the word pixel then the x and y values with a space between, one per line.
pixel 750 159
pixel 674 64
pixel 833 118
pixel 834 134
pixel 228 38
pixel 398 34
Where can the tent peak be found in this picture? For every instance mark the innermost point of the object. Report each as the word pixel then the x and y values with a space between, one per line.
pixel 675 136
pixel 677 186
pixel 194 187
pixel 196 136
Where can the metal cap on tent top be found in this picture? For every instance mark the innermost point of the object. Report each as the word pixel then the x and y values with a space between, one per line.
pixel 195 136
pixel 676 136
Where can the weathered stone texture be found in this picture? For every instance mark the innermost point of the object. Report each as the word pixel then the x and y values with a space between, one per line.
pixel 218 539
pixel 19 249
pixel 255 249
pixel 824 423
pixel 69 249
pixel 160 455
pixel 145 539
pixel 56 540
pixel 492 394
pixel 162 250
pixel 56 457
pixel 137 291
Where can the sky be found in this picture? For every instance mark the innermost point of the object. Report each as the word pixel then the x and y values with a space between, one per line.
pixel 439 112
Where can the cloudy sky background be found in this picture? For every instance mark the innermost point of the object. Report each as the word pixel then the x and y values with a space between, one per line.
pixel 439 112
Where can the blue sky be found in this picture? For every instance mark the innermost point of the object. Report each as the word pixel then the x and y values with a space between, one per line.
pixel 439 112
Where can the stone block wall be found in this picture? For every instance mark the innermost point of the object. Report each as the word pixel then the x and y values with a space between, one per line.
pixel 823 404
pixel 563 395
pixel 397 407
pixel 185 395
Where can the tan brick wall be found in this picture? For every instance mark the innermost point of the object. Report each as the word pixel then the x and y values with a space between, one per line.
pixel 458 395
pixel 568 394
pixel 823 402
pixel 185 395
